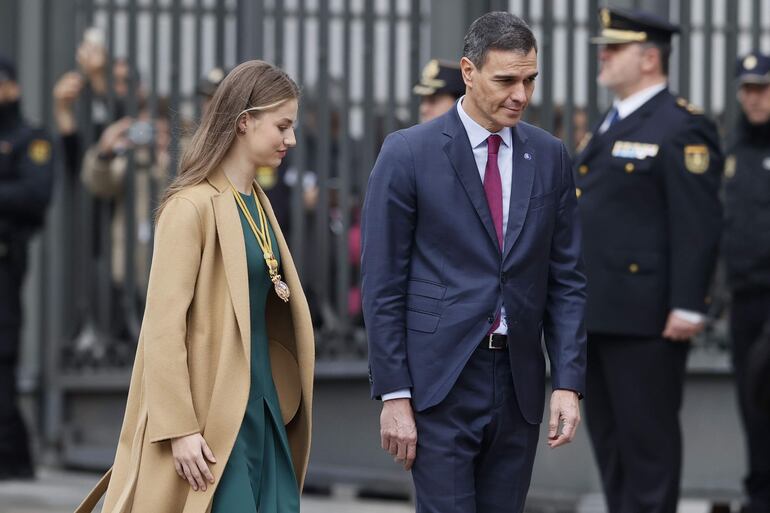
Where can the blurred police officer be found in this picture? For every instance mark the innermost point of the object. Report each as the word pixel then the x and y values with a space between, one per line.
pixel 747 255
pixel 441 85
pixel 25 189
pixel 647 184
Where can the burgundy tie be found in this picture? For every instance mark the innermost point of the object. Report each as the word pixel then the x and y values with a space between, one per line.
pixel 493 189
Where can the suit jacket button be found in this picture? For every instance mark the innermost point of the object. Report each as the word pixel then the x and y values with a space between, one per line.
pixel 630 167
pixel 578 192
pixel 633 268
pixel 490 319
pixel 583 170
pixel 502 277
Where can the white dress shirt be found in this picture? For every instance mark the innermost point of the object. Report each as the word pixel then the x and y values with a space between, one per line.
pixel 629 105
pixel 477 136
pixel 625 108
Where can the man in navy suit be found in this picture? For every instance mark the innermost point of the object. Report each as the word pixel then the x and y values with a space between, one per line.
pixel 471 254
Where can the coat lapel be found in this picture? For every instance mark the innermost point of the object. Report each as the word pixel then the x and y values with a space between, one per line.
pixel 460 154
pixel 523 178
pixel 231 241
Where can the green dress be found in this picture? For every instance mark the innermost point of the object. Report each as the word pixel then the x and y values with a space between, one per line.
pixel 259 476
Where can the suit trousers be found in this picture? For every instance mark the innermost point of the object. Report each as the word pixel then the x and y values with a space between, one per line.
pixel 475 451
pixel 634 392
pixel 14 442
pixel 750 311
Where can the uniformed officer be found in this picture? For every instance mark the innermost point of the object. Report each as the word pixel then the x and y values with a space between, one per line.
pixel 746 250
pixel 25 189
pixel 441 84
pixel 647 183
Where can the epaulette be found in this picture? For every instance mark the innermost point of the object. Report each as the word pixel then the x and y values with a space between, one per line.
pixel 689 107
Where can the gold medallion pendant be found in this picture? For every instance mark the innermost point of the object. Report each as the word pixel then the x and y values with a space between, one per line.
pixel 280 286
pixel 262 235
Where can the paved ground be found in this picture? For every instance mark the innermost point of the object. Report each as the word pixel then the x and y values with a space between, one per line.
pixel 57 491
pixel 60 492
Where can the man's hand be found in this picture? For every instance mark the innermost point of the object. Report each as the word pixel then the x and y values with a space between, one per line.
pixel 565 413
pixel 398 431
pixel 188 452
pixel 679 329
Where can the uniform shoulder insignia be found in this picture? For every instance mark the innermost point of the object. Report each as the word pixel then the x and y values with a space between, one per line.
pixel 689 107
pixel 694 109
pixel 267 177
pixel 39 151
pixel 696 158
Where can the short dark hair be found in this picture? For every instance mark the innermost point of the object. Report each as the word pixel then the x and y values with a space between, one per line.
pixel 497 31
pixel 664 50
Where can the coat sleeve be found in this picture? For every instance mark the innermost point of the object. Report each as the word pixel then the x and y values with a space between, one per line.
pixel 175 264
pixel 102 178
pixel 387 229
pixel 693 166
pixel 564 319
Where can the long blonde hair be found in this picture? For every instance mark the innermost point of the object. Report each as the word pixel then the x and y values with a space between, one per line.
pixel 251 84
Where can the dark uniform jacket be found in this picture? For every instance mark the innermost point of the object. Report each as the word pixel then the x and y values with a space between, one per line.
pixel 648 200
pixel 746 242
pixel 25 188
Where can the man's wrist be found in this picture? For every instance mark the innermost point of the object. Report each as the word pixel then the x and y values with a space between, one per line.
pixel 690 316
pixel 404 393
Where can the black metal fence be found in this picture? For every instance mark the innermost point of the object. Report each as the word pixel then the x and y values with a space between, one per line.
pixel 356 61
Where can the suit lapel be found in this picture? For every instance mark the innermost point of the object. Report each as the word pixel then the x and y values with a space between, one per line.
pixel 231 241
pixel 523 178
pixel 460 154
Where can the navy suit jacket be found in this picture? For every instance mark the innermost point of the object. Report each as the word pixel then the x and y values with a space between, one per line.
pixel 433 275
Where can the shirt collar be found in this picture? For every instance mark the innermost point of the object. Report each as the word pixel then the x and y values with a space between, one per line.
pixel 632 103
pixel 477 134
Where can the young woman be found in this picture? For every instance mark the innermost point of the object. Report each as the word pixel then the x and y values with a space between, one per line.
pixel 219 407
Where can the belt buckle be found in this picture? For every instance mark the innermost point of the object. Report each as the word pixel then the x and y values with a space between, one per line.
pixel 490 343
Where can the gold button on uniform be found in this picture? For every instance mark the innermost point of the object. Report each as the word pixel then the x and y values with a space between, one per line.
pixel 578 192
pixel 634 268
pixel 630 167
pixel 583 170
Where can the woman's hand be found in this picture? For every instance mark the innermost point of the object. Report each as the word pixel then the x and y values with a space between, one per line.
pixel 189 452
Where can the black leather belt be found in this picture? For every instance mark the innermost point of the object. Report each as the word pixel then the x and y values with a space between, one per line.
pixel 495 341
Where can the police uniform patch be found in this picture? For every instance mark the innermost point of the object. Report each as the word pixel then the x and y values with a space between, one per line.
pixel 39 151
pixel 730 166
pixel 696 158
pixel 267 177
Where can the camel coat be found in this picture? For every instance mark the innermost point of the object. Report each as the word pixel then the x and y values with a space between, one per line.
pixel 191 372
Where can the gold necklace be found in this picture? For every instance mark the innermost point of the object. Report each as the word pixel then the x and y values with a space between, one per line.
pixel 265 242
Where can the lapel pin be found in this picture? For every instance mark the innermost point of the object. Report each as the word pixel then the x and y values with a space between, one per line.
pixel 527 156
